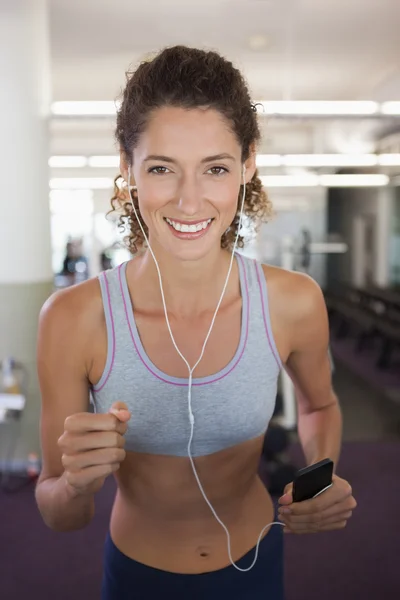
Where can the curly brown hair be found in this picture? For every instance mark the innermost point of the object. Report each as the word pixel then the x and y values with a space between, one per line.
pixel 188 78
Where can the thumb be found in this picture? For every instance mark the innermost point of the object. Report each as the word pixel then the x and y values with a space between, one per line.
pixel 121 411
pixel 287 496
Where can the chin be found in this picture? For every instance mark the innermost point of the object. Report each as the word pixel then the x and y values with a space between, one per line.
pixel 192 251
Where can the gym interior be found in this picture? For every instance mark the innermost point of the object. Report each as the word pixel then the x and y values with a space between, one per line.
pixel 326 80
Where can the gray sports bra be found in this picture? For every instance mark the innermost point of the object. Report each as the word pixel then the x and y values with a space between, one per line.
pixel 229 407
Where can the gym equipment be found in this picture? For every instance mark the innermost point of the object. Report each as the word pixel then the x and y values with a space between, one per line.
pixel 13 386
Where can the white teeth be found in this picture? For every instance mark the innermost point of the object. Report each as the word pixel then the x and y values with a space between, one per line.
pixel 189 228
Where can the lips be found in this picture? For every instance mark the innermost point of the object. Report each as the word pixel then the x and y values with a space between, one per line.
pixel 188 230
pixel 188 227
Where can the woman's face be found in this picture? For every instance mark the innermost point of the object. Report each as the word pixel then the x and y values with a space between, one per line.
pixel 187 168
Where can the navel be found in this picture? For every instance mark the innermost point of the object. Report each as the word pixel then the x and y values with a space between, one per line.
pixel 203 552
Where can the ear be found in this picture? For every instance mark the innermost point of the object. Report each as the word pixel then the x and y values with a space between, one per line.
pixel 124 167
pixel 250 164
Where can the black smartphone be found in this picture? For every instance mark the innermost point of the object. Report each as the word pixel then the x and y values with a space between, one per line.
pixel 313 480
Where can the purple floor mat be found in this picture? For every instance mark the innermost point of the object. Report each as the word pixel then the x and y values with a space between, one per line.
pixel 358 563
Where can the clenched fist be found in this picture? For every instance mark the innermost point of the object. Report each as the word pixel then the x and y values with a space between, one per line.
pixel 92 447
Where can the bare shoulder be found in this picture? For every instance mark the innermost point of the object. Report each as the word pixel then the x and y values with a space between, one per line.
pixel 298 294
pixel 298 309
pixel 73 311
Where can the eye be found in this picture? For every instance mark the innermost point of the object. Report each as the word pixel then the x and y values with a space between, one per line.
pixel 158 170
pixel 218 170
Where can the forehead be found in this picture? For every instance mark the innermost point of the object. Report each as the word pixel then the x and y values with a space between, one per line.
pixel 178 131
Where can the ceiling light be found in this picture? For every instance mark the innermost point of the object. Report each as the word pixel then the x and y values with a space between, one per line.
pixel 353 180
pixel 67 161
pixel 289 180
pixel 258 41
pixel 391 108
pixel 329 160
pixel 268 160
pixel 325 180
pixel 81 183
pixel 389 160
pixel 323 107
pixel 104 161
pixel 98 108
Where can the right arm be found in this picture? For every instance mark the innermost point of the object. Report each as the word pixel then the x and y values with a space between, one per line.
pixel 79 449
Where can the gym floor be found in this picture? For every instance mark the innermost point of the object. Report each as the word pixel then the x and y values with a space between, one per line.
pixel 358 562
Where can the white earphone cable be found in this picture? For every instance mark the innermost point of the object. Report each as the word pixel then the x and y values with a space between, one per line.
pixel 191 369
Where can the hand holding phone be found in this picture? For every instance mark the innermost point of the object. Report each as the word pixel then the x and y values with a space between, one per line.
pixel 302 512
pixel 313 480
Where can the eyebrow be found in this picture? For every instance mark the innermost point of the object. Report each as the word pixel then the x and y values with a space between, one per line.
pixel 168 159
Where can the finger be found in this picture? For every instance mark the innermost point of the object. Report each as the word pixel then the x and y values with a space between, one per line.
pixel 287 496
pixel 315 528
pixel 121 411
pixel 87 476
pixel 80 422
pixel 333 495
pixel 332 511
pixel 92 458
pixel 318 520
pixel 74 443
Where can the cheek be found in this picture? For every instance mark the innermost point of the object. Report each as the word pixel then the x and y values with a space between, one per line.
pixel 227 204
pixel 151 200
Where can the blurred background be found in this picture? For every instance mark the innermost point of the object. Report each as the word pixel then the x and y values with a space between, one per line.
pixel 326 75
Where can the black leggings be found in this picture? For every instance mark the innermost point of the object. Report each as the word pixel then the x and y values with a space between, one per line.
pixel 127 579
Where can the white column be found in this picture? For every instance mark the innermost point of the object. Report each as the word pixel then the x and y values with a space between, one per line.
pixel 24 110
pixel 25 243
pixel 383 231
pixel 358 255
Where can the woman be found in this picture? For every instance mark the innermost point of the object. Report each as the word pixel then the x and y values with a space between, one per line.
pixel 187 133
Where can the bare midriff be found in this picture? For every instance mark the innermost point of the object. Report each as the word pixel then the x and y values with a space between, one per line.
pixel 161 519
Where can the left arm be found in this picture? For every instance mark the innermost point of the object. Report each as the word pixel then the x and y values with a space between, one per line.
pixel 308 365
pixel 319 414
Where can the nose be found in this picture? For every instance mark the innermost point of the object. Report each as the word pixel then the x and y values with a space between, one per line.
pixel 190 196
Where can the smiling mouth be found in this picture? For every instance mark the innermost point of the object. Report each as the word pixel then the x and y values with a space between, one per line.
pixel 196 227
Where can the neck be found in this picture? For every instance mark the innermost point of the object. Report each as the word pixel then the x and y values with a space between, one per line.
pixel 190 287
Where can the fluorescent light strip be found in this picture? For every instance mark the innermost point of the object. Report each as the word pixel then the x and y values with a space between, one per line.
pixel 284 108
pixel 97 108
pixel 81 183
pixel 389 160
pixel 374 179
pixel 67 161
pixel 104 161
pixel 370 180
pixel 289 180
pixel 324 107
pixel 329 160
pixel 391 108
